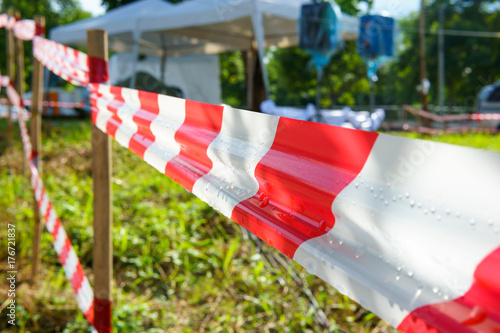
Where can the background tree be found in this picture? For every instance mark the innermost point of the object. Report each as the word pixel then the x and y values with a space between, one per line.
pixel 470 62
pixel 292 75
pixel 112 4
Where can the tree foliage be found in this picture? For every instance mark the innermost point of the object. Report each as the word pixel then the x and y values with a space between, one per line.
pixel 112 4
pixel 470 62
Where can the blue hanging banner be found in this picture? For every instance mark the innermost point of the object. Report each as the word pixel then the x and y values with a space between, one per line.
pixel 320 32
pixel 376 41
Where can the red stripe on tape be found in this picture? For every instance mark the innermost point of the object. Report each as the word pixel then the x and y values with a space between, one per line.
pixel 114 122
pixel 49 208
pixel 94 96
pixel 144 138
pixel 57 225
pixel 65 251
pixel 293 203
pixel 89 314
pixel 477 311
pixel 78 276
pixel 201 126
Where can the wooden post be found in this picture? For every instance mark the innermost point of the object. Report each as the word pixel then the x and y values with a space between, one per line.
pixel 36 142
pixel 19 62
pixel 97 42
pixel 20 75
pixel 10 71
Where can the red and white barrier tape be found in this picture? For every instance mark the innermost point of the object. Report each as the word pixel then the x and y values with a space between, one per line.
pixel 456 117
pixel 62 245
pixel 25 29
pixel 3 20
pixel 449 130
pixel 393 223
pixel 22 29
pixel 13 95
pixel 59 104
pixel 484 116
pixel 69 64
pixel 4 81
pixel 8 22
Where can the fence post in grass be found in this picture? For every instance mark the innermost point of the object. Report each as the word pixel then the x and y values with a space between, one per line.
pixel 19 43
pixel 10 71
pixel 97 43
pixel 36 142
pixel 19 61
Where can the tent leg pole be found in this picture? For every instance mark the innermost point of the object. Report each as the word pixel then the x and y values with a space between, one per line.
pixel 135 52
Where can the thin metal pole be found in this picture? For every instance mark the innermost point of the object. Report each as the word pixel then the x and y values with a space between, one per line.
pixel 318 116
pixel 441 62
pixel 423 66
pixel 372 95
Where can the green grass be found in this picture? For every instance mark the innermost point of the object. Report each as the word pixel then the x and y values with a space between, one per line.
pixel 179 266
pixel 477 140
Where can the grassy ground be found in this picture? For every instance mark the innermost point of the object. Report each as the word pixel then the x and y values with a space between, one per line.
pixel 178 265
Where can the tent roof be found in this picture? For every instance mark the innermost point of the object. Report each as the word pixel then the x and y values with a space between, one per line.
pixel 195 26
pixel 201 13
pixel 117 21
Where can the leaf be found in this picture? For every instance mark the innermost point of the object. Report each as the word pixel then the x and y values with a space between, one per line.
pixel 229 255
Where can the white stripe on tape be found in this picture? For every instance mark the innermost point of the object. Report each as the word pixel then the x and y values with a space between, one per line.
pixel 171 116
pixel 70 263
pixel 44 204
pixel 244 139
pixel 38 189
pixel 405 234
pixel 51 221
pixel 126 113
pixel 60 239
pixel 102 104
pixel 85 296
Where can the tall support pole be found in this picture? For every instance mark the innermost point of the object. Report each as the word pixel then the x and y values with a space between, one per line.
pixel 163 58
pixel 441 62
pixel 372 95
pixel 249 61
pixel 256 92
pixel 135 53
pixel 423 66
pixel 36 142
pixel 10 71
pixel 97 42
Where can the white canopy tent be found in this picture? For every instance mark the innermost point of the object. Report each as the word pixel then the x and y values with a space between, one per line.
pixel 198 27
pixel 125 27
pixel 196 76
pixel 241 24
